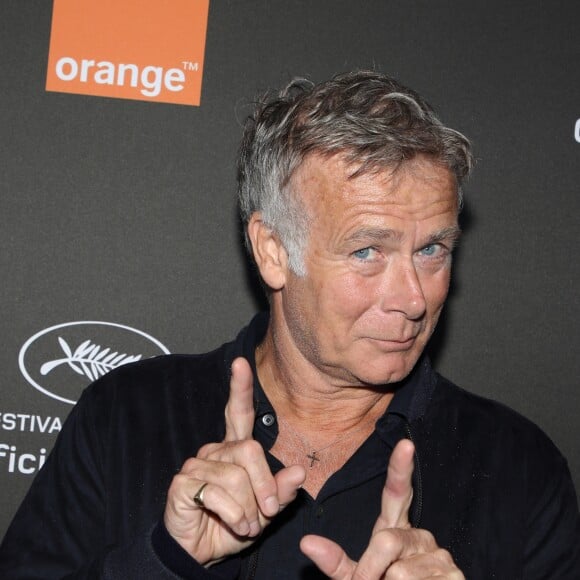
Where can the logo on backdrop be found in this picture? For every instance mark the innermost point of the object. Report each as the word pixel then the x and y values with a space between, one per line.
pixel 134 49
pixel 62 360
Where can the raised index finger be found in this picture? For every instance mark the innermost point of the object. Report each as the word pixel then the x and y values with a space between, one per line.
pixel 398 490
pixel 240 407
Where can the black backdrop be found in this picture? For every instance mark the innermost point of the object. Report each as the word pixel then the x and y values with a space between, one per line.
pixel 124 211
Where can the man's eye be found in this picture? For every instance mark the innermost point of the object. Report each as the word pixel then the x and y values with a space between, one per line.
pixel 431 250
pixel 364 253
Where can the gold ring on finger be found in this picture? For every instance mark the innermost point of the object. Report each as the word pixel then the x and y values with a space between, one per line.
pixel 198 497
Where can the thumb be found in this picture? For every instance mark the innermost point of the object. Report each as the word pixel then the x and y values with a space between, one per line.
pixel 330 558
pixel 289 480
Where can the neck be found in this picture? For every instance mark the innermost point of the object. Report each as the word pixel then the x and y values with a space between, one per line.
pixel 322 420
pixel 308 399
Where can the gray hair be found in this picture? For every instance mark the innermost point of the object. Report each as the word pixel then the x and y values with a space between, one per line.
pixel 369 118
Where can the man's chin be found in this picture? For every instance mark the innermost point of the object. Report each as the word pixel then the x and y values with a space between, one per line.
pixel 382 377
pixel 389 369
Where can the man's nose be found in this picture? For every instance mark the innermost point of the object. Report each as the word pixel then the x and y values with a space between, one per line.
pixel 403 291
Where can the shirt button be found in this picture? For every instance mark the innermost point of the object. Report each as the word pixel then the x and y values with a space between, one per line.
pixel 319 512
pixel 268 419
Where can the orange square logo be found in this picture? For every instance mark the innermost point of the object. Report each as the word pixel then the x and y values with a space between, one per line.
pixel 147 50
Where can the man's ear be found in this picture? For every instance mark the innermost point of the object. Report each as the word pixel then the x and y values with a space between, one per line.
pixel 269 253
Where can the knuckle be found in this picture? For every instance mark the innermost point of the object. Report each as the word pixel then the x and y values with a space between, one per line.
pixel 180 480
pixel 177 488
pixel 399 570
pixel 444 556
pixel 397 543
pixel 233 514
pixel 236 515
pixel 189 465
pixel 251 449
pixel 414 541
pixel 389 540
pixel 425 539
pixel 207 450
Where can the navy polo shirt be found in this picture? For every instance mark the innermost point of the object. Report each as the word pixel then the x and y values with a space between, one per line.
pixel 346 507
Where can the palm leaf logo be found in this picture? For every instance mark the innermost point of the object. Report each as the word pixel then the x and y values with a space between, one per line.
pixel 88 359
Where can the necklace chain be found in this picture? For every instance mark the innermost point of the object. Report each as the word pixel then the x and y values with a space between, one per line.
pixel 313 455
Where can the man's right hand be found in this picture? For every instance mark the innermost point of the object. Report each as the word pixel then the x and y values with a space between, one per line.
pixel 241 495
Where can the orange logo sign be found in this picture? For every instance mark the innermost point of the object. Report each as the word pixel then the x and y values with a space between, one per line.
pixel 146 50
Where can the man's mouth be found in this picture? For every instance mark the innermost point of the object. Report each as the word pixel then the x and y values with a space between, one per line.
pixel 395 344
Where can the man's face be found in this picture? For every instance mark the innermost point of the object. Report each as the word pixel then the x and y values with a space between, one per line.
pixel 378 262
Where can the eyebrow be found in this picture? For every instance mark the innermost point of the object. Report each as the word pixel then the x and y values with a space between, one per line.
pixel 374 235
pixel 450 234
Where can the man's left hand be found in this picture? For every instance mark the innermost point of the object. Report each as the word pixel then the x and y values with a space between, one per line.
pixel 395 551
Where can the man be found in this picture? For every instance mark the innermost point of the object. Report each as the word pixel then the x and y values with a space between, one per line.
pixel 320 442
